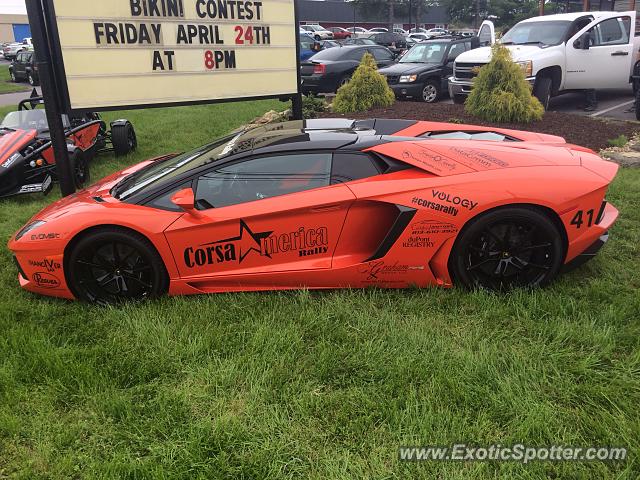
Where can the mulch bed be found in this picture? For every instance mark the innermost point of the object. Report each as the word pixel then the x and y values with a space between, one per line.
pixel 580 130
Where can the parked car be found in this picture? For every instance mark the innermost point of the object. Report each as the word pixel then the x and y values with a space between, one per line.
pixel 359 41
pixel 378 30
pixel 329 203
pixel 423 72
pixel 400 31
pixel 418 30
pixel 329 69
pixel 10 51
pixel 358 31
pixel 340 33
pixel 393 41
pixel 24 68
pixel 436 32
pixel 318 32
pixel 569 51
pixel 419 37
pixel 309 46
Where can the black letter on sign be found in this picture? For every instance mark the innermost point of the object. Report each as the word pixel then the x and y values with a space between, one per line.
pixel 136 9
pixel 98 29
pixel 158 63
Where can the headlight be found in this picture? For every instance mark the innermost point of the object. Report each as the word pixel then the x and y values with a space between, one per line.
pixel 527 67
pixel 27 228
pixel 408 78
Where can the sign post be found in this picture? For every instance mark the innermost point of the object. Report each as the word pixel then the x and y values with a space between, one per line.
pixel 64 168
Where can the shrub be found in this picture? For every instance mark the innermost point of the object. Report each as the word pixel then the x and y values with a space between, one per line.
pixel 619 141
pixel 367 89
pixel 501 93
pixel 312 105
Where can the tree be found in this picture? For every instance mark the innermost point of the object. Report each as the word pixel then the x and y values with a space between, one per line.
pixel 508 12
pixel 501 92
pixel 367 89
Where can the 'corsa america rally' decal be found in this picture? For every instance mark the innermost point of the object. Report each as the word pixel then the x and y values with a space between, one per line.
pixel 305 241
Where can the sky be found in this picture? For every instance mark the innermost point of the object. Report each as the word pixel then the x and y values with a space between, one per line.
pixel 12 7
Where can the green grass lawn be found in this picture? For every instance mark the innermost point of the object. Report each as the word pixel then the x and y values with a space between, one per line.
pixel 6 85
pixel 317 385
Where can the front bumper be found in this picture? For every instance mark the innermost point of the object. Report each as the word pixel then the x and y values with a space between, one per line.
pixel 463 87
pixel 407 90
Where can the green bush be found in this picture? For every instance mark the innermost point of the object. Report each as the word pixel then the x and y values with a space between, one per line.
pixel 619 141
pixel 312 105
pixel 501 93
pixel 367 89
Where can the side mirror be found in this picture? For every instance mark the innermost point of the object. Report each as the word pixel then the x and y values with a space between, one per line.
pixel 583 42
pixel 185 199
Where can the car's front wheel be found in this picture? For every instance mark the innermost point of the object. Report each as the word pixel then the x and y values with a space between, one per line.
pixel 508 248
pixel 430 92
pixel 123 138
pixel 112 265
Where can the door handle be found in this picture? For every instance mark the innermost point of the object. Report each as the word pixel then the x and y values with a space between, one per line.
pixel 327 208
pixel 619 54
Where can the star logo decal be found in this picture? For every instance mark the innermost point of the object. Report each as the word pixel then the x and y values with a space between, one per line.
pixel 251 242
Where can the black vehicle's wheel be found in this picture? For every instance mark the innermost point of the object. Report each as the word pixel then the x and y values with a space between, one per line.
pixel 637 105
pixel 12 75
pixel 507 248
pixel 317 37
pixel 430 92
pixel 111 265
pixel 459 99
pixel 542 91
pixel 80 167
pixel 123 138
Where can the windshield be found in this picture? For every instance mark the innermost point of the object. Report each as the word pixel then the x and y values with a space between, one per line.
pixel 26 120
pixel 425 53
pixel 175 166
pixel 540 33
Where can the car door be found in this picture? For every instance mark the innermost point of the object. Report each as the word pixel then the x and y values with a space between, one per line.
pixel 267 214
pixel 601 54
pixel 487 33
pixel 19 66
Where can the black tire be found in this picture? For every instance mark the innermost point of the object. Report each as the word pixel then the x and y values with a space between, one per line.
pixel 13 76
pixel 512 247
pixel 542 91
pixel 459 99
pixel 32 81
pixel 430 92
pixel 80 168
pixel 317 37
pixel 112 265
pixel 123 138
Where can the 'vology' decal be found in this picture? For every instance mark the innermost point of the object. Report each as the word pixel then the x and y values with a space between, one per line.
pixel 453 199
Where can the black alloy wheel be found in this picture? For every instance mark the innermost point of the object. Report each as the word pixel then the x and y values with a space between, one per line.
pixel 110 266
pixel 509 248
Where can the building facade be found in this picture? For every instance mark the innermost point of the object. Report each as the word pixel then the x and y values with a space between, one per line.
pixel 331 13
pixel 13 28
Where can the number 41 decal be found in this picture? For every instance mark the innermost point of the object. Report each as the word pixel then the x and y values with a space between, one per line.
pixel 578 218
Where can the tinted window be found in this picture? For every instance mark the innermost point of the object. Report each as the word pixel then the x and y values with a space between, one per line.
pixel 542 33
pixel 382 55
pixel 455 50
pixel 263 177
pixel 614 31
pixel 425 53
pixel 352 166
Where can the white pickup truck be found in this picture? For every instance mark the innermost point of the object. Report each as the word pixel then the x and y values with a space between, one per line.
pixel 569 51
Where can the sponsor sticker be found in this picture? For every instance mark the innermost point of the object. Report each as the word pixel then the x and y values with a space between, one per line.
pixel 46 280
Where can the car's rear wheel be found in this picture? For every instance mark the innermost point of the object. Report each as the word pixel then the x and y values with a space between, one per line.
pixel 430 92
pixel 123 138
pixel 111 265
pixel 342 82
pixel 508 248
